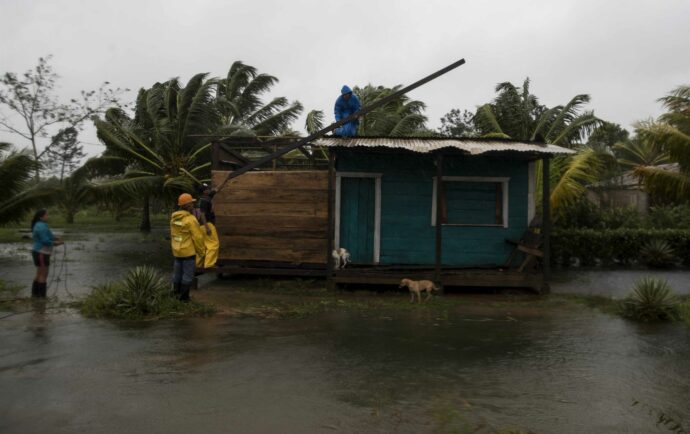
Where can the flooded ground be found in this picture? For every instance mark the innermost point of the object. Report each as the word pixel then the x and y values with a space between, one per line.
pixel 532 367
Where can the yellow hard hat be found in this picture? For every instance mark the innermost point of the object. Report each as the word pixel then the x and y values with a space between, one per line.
pixel 184 199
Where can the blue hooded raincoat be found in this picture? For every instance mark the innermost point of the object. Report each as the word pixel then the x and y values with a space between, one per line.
pixel 344 109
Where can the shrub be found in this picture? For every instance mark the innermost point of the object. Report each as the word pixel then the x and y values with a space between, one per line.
pixel 651 300
pixel 669 217
pixel 143 293
pixel 618 246
pixel 658 253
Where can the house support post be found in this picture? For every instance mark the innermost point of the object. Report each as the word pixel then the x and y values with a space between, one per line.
pixel 546 223
pixel 330 262
pixel 439 219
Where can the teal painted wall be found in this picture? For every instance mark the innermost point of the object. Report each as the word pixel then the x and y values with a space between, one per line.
pixel 407 236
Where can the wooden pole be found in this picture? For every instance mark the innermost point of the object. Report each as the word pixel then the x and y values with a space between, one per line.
pixel 331 220
pixel 364 110
pixel 439 218
pixel 546 222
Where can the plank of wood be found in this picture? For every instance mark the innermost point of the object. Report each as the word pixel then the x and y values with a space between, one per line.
pixel 269 222
pixel 294 209
pixel 276 195
pixel 305 180
pixel 287 255
pixel 277 231
pixel 269 242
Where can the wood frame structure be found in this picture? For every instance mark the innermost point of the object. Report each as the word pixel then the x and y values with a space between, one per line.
pixel 388 274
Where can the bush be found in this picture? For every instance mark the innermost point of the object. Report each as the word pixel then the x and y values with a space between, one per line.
pixel 585 214
pixel 614 246
pixel 669 217
pixel 143 293
pixel 658 253
pixel 651 300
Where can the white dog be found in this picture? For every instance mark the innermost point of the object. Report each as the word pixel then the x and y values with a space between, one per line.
pixel 342 258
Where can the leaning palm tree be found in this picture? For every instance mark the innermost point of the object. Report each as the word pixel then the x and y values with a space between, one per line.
pixel 517 114
pixel 163 150
pixel 20 195
pixel 397 118
pixel 242 110
pixel 671 134
pixel 638 153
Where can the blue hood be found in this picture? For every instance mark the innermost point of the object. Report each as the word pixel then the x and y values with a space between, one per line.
pixel 345 89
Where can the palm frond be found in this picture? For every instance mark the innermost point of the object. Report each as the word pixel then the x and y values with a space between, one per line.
pixel 569 176
pixel 314 121
pixel 279 121
pixel 487 118
pixel 668 138
pixel 667 183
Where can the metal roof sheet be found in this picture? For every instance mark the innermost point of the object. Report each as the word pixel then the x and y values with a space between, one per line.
pixel 426 145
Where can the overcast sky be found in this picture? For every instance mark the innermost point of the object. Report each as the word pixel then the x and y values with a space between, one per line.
pixel 625 54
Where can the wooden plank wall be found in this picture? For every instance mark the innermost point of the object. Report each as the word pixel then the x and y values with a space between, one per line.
pixel 273 216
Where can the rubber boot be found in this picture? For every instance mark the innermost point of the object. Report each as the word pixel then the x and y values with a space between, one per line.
pixel 176 290
pixel 34 289
pixel 41 289
pixel 184 292
pixel 195 284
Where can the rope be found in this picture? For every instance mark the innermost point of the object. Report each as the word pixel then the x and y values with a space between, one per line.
pixel 57 277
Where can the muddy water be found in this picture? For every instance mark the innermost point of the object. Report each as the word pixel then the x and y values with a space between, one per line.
pixel 571 370
pixel 86 260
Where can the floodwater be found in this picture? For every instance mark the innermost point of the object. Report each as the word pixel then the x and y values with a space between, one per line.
pixel 572 370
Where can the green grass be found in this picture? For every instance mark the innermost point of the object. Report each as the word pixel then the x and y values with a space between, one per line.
pixel 90 219
pixel 9 290
pixel 684 309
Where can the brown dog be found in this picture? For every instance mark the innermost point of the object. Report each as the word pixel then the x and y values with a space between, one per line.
pixel 417 287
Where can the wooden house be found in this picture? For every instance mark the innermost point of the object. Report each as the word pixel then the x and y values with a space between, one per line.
pixel 381 199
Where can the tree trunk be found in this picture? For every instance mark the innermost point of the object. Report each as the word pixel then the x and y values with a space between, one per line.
pixel 145 216
pixel 37 169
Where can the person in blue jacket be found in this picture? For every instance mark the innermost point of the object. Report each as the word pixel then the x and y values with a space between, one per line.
pixel 346 104
pixel 44 241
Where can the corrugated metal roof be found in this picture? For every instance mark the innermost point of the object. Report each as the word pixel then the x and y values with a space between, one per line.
pixel 426 145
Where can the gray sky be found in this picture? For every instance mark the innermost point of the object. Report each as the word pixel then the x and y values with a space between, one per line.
pixel 625 54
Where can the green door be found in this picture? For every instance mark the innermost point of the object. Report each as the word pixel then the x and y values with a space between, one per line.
pixel 357 215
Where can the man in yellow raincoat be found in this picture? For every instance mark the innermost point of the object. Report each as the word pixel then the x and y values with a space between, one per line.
pixel 187 242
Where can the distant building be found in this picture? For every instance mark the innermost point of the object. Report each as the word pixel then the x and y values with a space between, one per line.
pixel 625 191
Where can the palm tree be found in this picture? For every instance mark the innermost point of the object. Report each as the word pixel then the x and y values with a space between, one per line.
pixel 242 111
pixel 398 118
pixel 517 114
pixel 637 153
pixel 20 196
pixel 670 134
pixel 163 150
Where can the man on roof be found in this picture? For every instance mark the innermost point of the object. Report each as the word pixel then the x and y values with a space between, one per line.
pixel 346 104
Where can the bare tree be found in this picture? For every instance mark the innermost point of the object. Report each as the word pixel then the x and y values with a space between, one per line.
pixel 35 111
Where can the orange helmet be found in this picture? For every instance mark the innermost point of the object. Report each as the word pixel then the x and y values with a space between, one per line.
pixel 184 199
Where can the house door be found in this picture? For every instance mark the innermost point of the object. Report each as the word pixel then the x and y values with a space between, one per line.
pixel 358 218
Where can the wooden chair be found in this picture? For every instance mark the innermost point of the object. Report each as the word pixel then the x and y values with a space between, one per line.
pixel 529 244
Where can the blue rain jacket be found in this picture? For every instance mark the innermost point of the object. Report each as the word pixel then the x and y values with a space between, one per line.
pixel 344 109
pixel 42 236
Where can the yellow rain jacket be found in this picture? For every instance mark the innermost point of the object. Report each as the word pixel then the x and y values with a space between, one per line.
pixel 186 236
